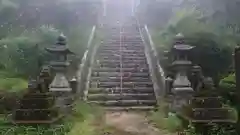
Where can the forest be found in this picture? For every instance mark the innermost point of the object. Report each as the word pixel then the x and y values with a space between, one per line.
pixel 28 26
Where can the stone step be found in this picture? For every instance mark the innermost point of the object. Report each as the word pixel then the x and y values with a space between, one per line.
pixel 120 70
pixel 117 65
pixel 123 47
pixel 118 53
pixel 123 57
pixel 118 84
pixel 117 36
pixel 125 102
pixel 116 79
pixel 123 90
pixel 123 38
pixel 138 47
pixel 118 57
pixel 123 41
pixel 117 46
pixel 122 61
pixel 122 31
pixel 130 38
pixel 131 108
pixel 124 53
pixel 125 73
pixel 207 102
pixel 118 60
pixel 125 83
pixel 37 103
pixel 35 114
pixel 114 74
pixel 212 115
pixel 124 50
pixel 121 96
pixel 38 95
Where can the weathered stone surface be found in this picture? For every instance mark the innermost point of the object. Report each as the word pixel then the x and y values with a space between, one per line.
pixel 120 76
pixel 60 83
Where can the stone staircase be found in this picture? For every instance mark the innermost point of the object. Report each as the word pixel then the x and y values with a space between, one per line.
pixel 120 78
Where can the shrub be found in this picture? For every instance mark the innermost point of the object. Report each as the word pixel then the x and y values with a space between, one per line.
pixel 171 122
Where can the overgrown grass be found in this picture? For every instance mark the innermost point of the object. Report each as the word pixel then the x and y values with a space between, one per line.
pixel 84 118
pixel 169 122
pixel 11 83
pixel 80 122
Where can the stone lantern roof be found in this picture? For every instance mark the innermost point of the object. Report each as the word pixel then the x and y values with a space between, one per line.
pixel 60 50
pixel 179 38
pixel 179 43
pixel 60 46
pixel 183 47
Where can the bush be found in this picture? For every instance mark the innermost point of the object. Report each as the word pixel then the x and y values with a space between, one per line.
pixel 20 54
pixel 170 122
pixel 211 52
pixel 12 84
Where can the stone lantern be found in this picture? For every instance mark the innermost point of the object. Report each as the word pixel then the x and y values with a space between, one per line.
pixel 181 65
pixel 59 64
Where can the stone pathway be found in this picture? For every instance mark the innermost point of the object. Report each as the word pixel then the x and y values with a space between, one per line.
pixel 131 123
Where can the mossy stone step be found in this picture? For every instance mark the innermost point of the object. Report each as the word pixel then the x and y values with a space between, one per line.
pixel 35 114
pixel 205 115
pixel 125 79
pixel 122 96
pixel 126 102
pixel 120 69
pixel 131 108
pixel 206 102
pixel 124 84
pixel 125 55
pixel 124 90
pixel 115 74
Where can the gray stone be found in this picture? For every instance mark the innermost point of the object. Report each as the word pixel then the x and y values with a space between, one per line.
pixel 60 83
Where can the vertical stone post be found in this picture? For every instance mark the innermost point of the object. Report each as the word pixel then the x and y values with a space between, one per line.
pixel 73 84
pixel 169 82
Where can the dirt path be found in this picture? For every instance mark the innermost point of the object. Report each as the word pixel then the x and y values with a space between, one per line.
pixel 131 123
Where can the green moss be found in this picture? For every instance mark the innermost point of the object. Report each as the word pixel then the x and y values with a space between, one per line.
pixel 170 122
pixel 81 122
pixel 12 84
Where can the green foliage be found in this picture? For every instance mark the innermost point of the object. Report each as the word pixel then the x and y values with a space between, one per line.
pixel 20 54
pixel 229 82
pixel 9 82
pixel 212 52
pixel 213 129
pixel 228 90
pixel 82 119
pixel 80 122
pixel 170 122
pixel 12 84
